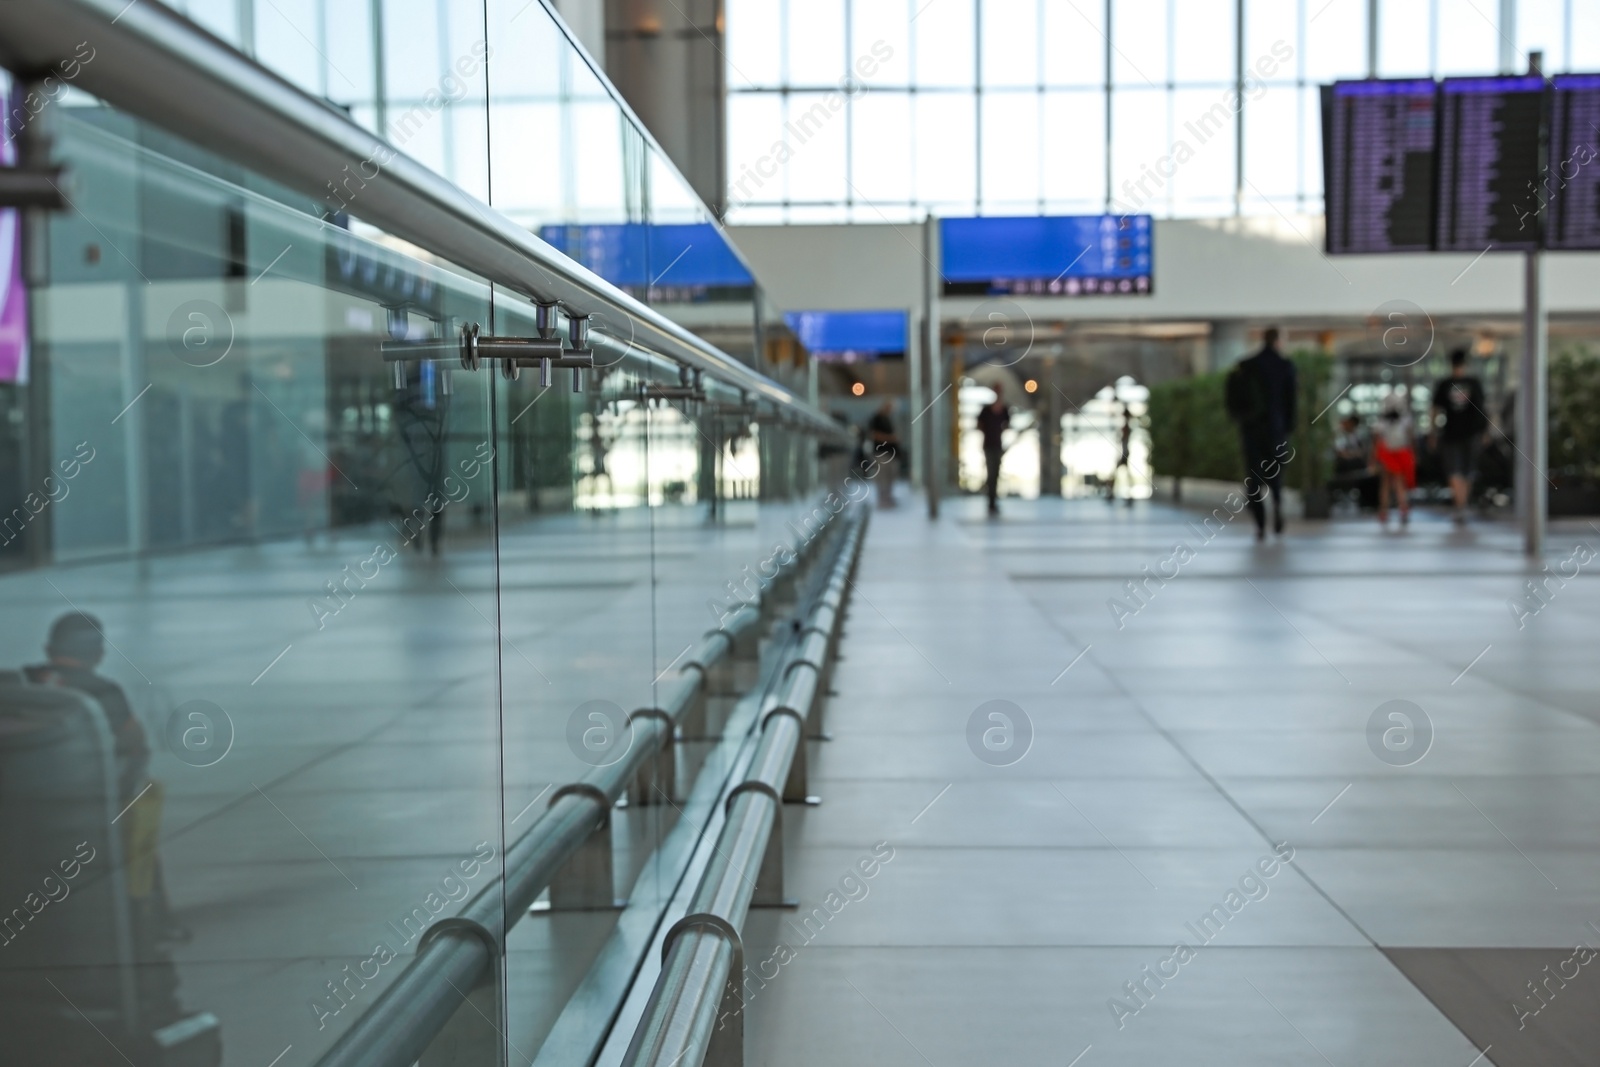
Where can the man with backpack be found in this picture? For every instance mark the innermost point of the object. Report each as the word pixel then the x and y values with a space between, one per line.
pixel 1260 396
pixel 1458 402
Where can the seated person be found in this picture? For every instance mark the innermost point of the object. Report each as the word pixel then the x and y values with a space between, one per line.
pixel 1352 462
pixel 1351 447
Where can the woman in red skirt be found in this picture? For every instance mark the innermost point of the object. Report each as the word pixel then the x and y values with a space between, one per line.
pixel 1395 456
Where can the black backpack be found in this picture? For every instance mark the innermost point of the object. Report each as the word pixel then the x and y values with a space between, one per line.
pixel 1245 394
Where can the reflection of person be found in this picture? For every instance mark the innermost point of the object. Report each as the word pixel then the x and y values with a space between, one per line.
pixel 1261 395
pixel 1397 459
pixel 599 449
pixel 993 420
pixel 886 448
pixel 315 477
pixel 422 418
pixel 1458 401
pixel 75 647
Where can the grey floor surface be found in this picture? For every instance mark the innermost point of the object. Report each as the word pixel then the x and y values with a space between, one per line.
pixel 1165 760
pixel 1031 911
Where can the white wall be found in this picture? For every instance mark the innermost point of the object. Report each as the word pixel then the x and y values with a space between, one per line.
pixel 1205 270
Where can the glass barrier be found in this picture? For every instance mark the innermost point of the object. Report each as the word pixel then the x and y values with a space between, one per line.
pixel 258 692
pixel 307 629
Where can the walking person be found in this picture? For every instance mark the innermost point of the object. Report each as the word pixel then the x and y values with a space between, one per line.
pixel 1459 424
pixel 1394 450
pixel 1126 437
pixel 885 449
pixel 994 419
pixel 1260 395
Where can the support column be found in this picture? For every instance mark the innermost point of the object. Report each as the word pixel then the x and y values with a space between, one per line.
pixel 1372 38
pixel 914 357
pixel 135 378
pixel 587 21
pixel 932 438
pixel 1533 433
pixel 666 58
pixel 35 148
pixel 1049 412
pixel 1508 36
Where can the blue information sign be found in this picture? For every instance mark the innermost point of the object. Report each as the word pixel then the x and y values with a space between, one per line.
pixel 850 336
pixel 675 262
pixel 1056 255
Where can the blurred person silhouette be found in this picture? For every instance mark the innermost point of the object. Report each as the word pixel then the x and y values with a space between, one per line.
pixel 73 649
pixel 1125 438
pixel 1394 450
pixel 1350 446
pixel 314 480
pixel 1352 462
pixel 994 419
pixel 1458 425
pixel 885 449
pixel 599 449
pixel 1261 392
pixel 860 457
pixel 422 418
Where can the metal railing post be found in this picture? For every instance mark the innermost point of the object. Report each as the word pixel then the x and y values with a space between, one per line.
pixel 586 881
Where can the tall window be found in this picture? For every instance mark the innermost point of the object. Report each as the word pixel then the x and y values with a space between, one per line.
pixel 884 110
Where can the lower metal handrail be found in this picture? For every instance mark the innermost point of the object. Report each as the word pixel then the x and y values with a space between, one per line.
pixel 695 1012
pixel 458 954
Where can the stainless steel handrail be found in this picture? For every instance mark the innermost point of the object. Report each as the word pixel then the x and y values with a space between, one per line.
pixel 457 954
pixel 154 63
pixel 697 995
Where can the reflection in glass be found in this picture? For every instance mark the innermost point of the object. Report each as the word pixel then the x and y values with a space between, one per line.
pixel 284 545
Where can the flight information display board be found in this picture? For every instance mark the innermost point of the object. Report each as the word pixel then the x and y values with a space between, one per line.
pixel 1056 255
pixel 1571 188
pixel 1489 163
pixel 1378 158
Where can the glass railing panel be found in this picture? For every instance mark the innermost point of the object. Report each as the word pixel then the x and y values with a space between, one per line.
pixel 576 556
pixel 259 751
pixel 368 609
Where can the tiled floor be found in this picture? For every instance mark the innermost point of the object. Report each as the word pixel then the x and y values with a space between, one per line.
pixel 1226 716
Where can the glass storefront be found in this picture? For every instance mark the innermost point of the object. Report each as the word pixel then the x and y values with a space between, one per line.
pixel 305 633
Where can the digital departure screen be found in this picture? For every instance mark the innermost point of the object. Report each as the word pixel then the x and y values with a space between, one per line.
pixel 1058 255
pixel 1489 163
pixel 1378 155
pixel 1571 186
pixel 850 336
